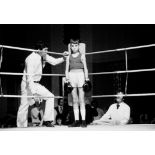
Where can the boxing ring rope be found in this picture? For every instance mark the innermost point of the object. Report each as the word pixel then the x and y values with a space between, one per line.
pixel 27 49
pixel 125 71
pixel 121 49
pixel 89 53
pixel 126 67
pixel 11 73
pixel 32 96
pixel 93 96
pixel 125 95
pixel 1 59
pixel 99 73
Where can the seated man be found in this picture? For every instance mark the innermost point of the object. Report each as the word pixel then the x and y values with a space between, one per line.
pixel 117 114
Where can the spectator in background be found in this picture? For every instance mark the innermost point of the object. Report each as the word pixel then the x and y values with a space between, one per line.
pixel 100 111
pixel 153 121
pixel 91 111
pixel 70 114
pixel 37 115
pixel 59 120
pixel 62 111
pixel 144 119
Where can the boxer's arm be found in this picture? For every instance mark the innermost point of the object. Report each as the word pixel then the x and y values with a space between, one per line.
pixel 67 68
pixel 83 59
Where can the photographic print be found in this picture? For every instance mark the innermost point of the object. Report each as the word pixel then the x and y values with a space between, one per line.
pixel 77 77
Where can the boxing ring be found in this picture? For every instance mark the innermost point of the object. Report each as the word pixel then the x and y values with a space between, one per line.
pixel 106 127
pixel 89 127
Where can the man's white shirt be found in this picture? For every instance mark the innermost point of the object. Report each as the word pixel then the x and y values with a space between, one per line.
pixel 34 66
pixel 122 114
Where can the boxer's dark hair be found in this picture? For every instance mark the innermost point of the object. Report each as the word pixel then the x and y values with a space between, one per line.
pixel 74 41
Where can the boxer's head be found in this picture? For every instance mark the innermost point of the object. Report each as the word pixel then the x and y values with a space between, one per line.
pixel 74 45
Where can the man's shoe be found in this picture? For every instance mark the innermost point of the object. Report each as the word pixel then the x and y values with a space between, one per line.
pixel 83 124
pixel 75 124
pixel 48 124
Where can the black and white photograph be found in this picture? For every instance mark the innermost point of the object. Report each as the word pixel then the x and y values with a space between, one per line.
pixel 77 76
